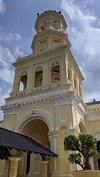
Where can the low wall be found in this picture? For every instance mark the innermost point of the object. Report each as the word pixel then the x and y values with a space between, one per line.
pixel 88 173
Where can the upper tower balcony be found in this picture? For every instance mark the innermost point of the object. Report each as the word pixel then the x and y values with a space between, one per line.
pixel 50 20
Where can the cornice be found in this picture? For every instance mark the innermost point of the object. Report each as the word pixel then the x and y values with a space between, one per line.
pixel 50 31
pixel 57 98
pixel 40 90
pixel 10 109
pixel 28 60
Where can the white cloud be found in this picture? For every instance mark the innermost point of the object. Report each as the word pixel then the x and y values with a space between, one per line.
pixel 6 75
pixel 2 7
pixel 8 55
pixel 85 39
pixel 7 37
pixel 18 52
pixel 9 51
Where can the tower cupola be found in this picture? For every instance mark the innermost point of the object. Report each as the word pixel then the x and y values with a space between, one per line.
pixel 50 29
pixel 50 20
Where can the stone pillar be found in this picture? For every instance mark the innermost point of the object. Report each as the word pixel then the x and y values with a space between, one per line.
pixel 45 73
pixel 92 163
pixel 4 168
pixel 63 68
pixel 13 166
pixel 30 80
pixel 16 83
pixel 44 168
pixel 53 138
pixel 54 146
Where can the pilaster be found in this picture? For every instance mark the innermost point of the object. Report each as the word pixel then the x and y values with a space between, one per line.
pixel 64 68
pixel 30 80
pixel 45 73
pixel 16 82
pixel 44 168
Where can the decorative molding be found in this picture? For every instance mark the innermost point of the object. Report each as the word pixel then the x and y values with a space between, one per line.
pixel 29 60
pixel 67 98
pixel 36 114
pixel 92 108
pixel 61 175
pixel 93 119
pixel 58 97
pixel 10 109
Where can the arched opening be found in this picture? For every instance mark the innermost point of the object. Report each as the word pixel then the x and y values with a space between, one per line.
pixel 38 77
pixel 55 72
pixel 23 82
pixel 38 130
pixel 56 24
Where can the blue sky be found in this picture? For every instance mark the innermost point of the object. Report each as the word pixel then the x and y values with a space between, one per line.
pixel 17 19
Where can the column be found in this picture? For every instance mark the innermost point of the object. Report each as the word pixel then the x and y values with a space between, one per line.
pixel 13 166
pixel 16 82
pixel 63 68
pixel 45 73
pixel 44 168
pixel 92 163
pixel 54 146
pixel 53 138
pixel 4 168
pixel 30 80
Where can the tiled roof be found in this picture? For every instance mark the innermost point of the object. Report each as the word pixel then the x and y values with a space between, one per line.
pixel 10 139
pixel 93 103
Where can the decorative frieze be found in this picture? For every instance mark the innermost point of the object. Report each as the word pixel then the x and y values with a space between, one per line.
pixel 10 109
pixel 26 61
pixel 92 108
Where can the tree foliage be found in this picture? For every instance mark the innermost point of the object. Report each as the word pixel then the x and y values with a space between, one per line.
pixel 84 146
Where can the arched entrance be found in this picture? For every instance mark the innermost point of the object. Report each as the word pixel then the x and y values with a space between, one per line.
pixel 38 130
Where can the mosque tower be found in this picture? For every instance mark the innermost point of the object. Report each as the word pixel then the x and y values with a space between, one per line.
pixel 46 102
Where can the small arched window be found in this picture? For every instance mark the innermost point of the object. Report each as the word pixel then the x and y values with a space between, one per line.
pixel 23 81
pixel 55 72
pixel 38 76
pixel 56 24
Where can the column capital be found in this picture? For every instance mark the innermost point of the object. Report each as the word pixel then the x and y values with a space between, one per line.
pixel 14 158
pixel 44 161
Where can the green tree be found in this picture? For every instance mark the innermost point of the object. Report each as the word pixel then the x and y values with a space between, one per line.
pixel 84 146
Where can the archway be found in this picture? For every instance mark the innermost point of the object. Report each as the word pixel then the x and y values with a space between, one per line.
pixel 38 130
